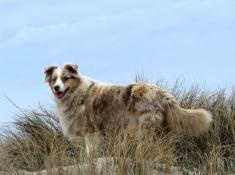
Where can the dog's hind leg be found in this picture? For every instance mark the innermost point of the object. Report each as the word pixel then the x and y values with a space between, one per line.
pixel 145 123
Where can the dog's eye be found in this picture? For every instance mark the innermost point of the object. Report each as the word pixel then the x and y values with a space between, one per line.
pixel 67 78
pixel 53 79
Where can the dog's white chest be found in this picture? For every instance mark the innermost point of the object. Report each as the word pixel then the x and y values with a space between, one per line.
pixel 69 124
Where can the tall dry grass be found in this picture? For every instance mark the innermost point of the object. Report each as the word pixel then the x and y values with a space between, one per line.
pixel 35 142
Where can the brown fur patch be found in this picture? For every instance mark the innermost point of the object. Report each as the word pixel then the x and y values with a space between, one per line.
pixel 127 95
pixel 138 92
pixel 72 68
pixel 48 73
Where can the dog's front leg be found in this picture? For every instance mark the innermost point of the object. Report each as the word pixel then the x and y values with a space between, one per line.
pixel 92 144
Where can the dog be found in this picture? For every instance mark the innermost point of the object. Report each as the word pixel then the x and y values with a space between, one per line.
pixel 86 107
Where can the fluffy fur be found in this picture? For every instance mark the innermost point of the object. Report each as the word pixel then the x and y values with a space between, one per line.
pixel 86 106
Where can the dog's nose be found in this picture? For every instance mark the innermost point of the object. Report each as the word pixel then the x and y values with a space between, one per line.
pixel 57 88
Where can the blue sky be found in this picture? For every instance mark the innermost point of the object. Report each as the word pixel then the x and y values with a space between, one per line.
pixel 193 40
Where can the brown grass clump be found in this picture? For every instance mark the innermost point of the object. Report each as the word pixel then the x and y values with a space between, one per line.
pixel 35 142
pixel 215 150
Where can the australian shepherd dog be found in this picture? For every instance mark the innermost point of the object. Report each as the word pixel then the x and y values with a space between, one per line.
pixel 86 107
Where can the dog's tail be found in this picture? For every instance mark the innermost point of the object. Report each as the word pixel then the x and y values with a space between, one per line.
pixel 187 122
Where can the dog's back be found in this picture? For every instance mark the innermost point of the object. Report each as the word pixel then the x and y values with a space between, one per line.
pixel 139 107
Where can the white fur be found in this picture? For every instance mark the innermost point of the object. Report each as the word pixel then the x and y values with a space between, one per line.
pixel 59 82
pixel 69 128
pixel 88 80
pixel 208 119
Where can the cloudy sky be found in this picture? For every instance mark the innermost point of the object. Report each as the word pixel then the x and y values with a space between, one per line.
pixel 193 40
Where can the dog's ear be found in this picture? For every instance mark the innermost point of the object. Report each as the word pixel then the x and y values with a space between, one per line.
pixel 73 68
pixel 48 72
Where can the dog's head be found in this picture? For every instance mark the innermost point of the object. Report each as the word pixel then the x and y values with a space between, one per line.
pixel 63 81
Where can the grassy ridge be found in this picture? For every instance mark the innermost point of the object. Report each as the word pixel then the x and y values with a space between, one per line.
pixel 36 141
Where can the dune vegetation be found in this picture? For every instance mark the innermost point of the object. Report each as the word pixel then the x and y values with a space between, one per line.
pixel 34 142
